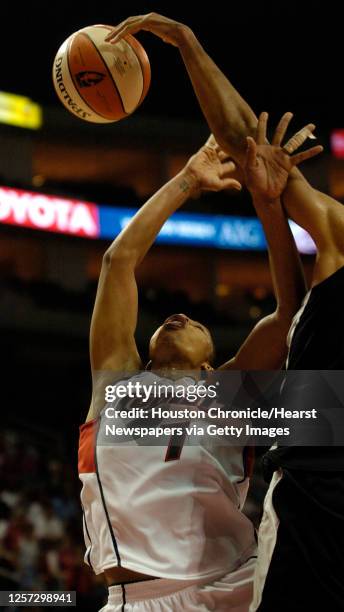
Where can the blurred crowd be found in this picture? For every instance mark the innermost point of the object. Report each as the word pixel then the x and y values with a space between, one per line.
pixel 241 305
pixel 41 544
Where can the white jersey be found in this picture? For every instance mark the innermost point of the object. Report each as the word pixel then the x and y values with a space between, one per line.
pixel 178 519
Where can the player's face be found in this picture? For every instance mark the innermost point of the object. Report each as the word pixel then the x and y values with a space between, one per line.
pixel 181 339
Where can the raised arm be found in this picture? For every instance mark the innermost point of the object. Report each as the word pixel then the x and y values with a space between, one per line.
pixel 112 342
pixel 265 347
pixel 323 217
pixel 229 117
pixel 231 120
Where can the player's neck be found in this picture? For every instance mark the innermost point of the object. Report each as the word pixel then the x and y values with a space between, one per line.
pixel 175 370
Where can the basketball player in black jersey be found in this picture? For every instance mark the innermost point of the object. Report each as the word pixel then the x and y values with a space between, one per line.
pixel 304 570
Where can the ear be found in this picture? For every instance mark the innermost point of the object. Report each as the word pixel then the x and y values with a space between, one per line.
pixel 149 365
pixel 206 366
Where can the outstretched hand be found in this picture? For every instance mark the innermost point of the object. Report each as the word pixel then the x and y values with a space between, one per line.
pixel 267 165
pixel 211 170
pixel 163 27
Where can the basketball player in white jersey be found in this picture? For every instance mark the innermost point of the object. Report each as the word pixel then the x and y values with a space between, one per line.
pixel 168 532
pixel 300 564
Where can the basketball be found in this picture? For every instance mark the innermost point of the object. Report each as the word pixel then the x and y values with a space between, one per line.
pixel 98 81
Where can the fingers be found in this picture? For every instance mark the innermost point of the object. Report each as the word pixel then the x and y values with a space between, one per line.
pixel 230 183
pixel 221 155
pixel 224 157
pixel 227 169
pixel 300 157
pixel 251 154
pixel 119 34
pixel 281 129
pixel 299 138
pixel 261 128
pixel 116 31
pixel 211 142
pixel 132 25
pixel 116 34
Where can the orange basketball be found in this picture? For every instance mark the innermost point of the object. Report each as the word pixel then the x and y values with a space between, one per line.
pixel 97 81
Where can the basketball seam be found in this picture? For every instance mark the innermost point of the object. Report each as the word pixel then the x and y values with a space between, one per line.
pixel 108 71
pixel 75 85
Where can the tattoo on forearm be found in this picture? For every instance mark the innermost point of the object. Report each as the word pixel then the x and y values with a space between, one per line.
pixel 184 185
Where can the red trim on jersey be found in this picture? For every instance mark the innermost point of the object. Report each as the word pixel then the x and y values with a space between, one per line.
pixel 87 442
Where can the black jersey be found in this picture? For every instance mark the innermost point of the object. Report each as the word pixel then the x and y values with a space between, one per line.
pixel 318 339
pixel 309 498
pixel 317 343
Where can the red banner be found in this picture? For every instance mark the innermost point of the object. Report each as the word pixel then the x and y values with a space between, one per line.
pixel 49 213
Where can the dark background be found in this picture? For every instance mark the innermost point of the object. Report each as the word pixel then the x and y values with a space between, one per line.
pixel 280 55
